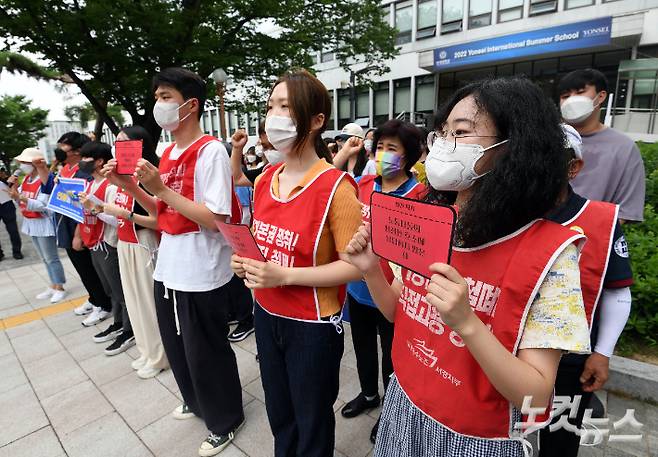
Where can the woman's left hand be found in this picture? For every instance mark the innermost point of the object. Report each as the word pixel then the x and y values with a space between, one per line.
pixel 448 293
pixel 264 275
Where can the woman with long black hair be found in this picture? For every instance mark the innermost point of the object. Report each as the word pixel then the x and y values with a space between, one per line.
pixel 138 242
pixel 484 334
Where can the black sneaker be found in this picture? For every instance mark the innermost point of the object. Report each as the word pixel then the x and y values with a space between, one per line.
pixel 124 341
pixel 18 256
pixel 359 405
pixel 232 320
pixel 215 444
pixel 108 334
pixel 241 332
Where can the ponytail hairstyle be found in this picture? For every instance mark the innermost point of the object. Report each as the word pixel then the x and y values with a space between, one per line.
pixel 307 97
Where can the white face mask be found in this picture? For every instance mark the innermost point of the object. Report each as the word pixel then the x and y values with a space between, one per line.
pixel 454 170
pixel 367 145
pixel 273 156
pixel 282 133
pixel 251 159
pixel 259 150
pixel 26 168
pixel 577 109
pixel 166 114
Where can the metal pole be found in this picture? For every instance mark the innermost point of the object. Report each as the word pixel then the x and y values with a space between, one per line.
pixel 222 124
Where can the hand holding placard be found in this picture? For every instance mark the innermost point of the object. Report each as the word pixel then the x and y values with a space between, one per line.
pixel 127 154
pixel 411 233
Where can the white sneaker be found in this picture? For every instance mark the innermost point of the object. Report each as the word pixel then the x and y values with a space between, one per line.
pixel 46 294
pixel 97 315
pixel 182 412
pixel 83 309
pixel 148 372
pixel 138 364
pixel 58 296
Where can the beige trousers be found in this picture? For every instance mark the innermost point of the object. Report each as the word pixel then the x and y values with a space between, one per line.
pixel 136 267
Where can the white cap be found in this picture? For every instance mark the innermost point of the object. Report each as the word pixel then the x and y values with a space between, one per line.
pixel 573 140
pixel 352 129
pixel 29 154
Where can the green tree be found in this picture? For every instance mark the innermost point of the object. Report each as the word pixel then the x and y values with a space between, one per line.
pixel 22 125
pixel 86 113
pixel 111 50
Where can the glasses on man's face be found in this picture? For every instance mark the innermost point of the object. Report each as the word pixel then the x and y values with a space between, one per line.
pixel 451 136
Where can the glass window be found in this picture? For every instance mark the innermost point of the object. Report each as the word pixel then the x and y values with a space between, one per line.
pixel 314 57
pixel 403 21
pixel 327 56
pixel 544 67
pixel 479 13
pixel 253 123
pixel 571 63
pixel 380 103
pixel 425 94
pixel 363 103
pixel 426 19
pixel 578 3
pixel 343 108
pixel 240 120
pixel 215 121
pixel 542 7
pixel 523 68
pixel 205 121
pixel 386 14
pixel 510 10
pixel 451 19
pixel 401 96
pixel 504 70
pixel 331 126
pixel 231 122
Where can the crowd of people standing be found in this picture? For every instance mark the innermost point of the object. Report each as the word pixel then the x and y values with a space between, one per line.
pixel 531 304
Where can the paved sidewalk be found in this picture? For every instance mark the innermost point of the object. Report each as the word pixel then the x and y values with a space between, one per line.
pixel 61 396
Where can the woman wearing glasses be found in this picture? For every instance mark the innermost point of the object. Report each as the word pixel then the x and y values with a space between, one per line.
pixel 481 339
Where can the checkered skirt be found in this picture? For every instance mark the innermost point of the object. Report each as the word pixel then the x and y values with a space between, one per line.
pixel 405 431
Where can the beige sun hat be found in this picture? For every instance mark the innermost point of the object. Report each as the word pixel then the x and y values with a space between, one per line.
pixel 28 155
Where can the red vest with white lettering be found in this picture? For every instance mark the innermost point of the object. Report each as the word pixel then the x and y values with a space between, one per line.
pixel 432 363
pixel 597 221
pixel 126 229
pixel 366 189
pixel 68 171
pixel 288 233
pixel 178 175
pixel 91 230
pixel 30 189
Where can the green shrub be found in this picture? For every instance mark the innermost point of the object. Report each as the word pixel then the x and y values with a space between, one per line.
pixel 643 245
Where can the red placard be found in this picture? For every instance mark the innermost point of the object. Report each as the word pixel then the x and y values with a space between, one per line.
pixel 411 233
pixel 241 240
pixel 127 154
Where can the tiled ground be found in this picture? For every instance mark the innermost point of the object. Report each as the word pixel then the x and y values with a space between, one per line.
pixel 61 396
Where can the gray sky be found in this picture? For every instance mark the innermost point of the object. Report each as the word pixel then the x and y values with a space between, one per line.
pixel 42 93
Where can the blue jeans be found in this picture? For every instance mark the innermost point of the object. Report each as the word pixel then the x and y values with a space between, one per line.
pixel 299 364
pixel 47 249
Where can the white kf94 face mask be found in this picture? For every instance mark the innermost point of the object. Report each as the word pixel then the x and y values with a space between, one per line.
pixel 166 114
pixel 282 133
pixel 577 109
pixel 451 166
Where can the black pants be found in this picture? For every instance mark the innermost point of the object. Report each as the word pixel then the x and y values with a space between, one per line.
pixel 106 263
pixel 8 216
pixel 366 323
pixel 299 364
pixel 562 443
pixel 241 302
pixel 201 357
pixel 81 261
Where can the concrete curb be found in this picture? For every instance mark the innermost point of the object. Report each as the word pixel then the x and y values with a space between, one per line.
pixel 635 379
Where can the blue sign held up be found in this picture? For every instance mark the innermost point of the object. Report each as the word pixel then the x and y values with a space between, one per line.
pixel 579 35
pixel 64 198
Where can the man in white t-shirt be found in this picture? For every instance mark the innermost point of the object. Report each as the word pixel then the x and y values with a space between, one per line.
pixel 193 188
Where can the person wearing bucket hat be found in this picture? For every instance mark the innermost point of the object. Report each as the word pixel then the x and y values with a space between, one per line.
pixel 38 222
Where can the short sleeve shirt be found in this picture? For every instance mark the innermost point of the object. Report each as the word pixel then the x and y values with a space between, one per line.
pixel 613 172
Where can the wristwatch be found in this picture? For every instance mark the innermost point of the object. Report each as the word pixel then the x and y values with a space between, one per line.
pixel 131 215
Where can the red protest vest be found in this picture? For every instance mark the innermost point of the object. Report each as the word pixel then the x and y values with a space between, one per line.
pixel 288 233
pixel 91 230
pixel 68 171
pixel 597 221
pixel 30 189
pixel 431 362
pixel 178 175
pixel 366 188
pixel 126 229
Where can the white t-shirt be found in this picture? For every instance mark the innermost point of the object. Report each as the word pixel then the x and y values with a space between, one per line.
pixel 199 262
pixel 370 168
